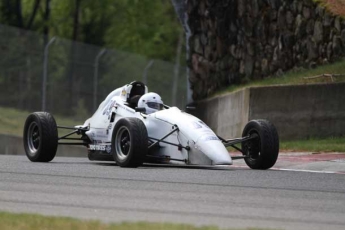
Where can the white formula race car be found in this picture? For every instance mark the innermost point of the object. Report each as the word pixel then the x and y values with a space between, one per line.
pixel 122 132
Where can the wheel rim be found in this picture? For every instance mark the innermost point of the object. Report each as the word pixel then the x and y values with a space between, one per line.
pixel 33 138
pixel 253 146
pixel 123 143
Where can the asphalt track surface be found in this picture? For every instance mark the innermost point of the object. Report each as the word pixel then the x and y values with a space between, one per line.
pixel 226 197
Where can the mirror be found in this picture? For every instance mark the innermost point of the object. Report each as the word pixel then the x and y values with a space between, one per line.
pixel 140 109
pixel 188 107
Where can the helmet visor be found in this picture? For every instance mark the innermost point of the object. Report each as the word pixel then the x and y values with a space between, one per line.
pixel 155 105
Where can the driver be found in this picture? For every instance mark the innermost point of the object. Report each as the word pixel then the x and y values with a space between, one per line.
pixel 152 102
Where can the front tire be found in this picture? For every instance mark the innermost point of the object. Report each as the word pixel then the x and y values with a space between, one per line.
pixel 129 142
pixel 263 149
pixel 40 137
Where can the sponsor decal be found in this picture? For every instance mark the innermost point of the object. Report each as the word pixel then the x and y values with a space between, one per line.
pixel 123 93
pixel 209 138
pixel 108 108
pixel 100 134
pixel 202 123
pixel 195 125
pixel 108 149
pixel 129 110
pixel 97 147
pixel 125 108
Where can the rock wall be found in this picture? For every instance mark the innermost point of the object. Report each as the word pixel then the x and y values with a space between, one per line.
pixel 235 41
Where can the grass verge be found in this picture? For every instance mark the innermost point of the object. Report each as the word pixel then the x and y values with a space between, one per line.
pixel 12 121
pixel 317 145
pixel 10 221
pixel 295 77
pixel 332 144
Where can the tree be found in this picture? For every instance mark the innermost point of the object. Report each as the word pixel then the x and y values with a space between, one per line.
pixel 146 27
pixel 13 14
pixel 46 18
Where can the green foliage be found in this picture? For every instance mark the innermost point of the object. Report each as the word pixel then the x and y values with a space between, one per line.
pixel 146 27
pixel 331 144
pixel 12 121
pixel 33 222
pixel 336 7
pixel 149 29
pixel 80 112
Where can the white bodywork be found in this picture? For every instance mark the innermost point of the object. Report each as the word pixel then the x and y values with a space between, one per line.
pixel 205 148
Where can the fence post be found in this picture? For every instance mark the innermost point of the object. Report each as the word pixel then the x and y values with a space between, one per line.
pixel 95 78
pixel 45 72
pixel 176 70
pixel 145 71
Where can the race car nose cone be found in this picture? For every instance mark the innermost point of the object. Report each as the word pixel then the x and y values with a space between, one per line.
pixel 215 151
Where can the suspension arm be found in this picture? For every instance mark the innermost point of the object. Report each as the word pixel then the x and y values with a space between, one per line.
pixel 235 141
pixel 160 140
pixel 166 142
pixel 69 134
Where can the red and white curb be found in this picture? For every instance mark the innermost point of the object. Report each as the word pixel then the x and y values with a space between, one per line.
pixel 294 170
pixel 304 159
pixel 311 171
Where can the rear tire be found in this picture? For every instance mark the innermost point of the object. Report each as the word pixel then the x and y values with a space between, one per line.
pixel 264 149
pixel 129 142
pixel 40 137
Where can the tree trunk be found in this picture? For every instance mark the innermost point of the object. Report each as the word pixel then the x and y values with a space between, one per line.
pixel 46 21
pixel 177 69
pixel 76 20
pixel 18 11
pixel 33 14
pixel 71 68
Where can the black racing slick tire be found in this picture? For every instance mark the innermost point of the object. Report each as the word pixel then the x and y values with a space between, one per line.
pixel 129 142
pixel 263 149
pixel 40 137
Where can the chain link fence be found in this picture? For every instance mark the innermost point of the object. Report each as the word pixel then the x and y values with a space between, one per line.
pixel 78 76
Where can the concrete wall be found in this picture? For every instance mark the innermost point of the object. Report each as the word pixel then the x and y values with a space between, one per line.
pixel 298 111
pixel 13 145
pixel 226 115
pixel 301 111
